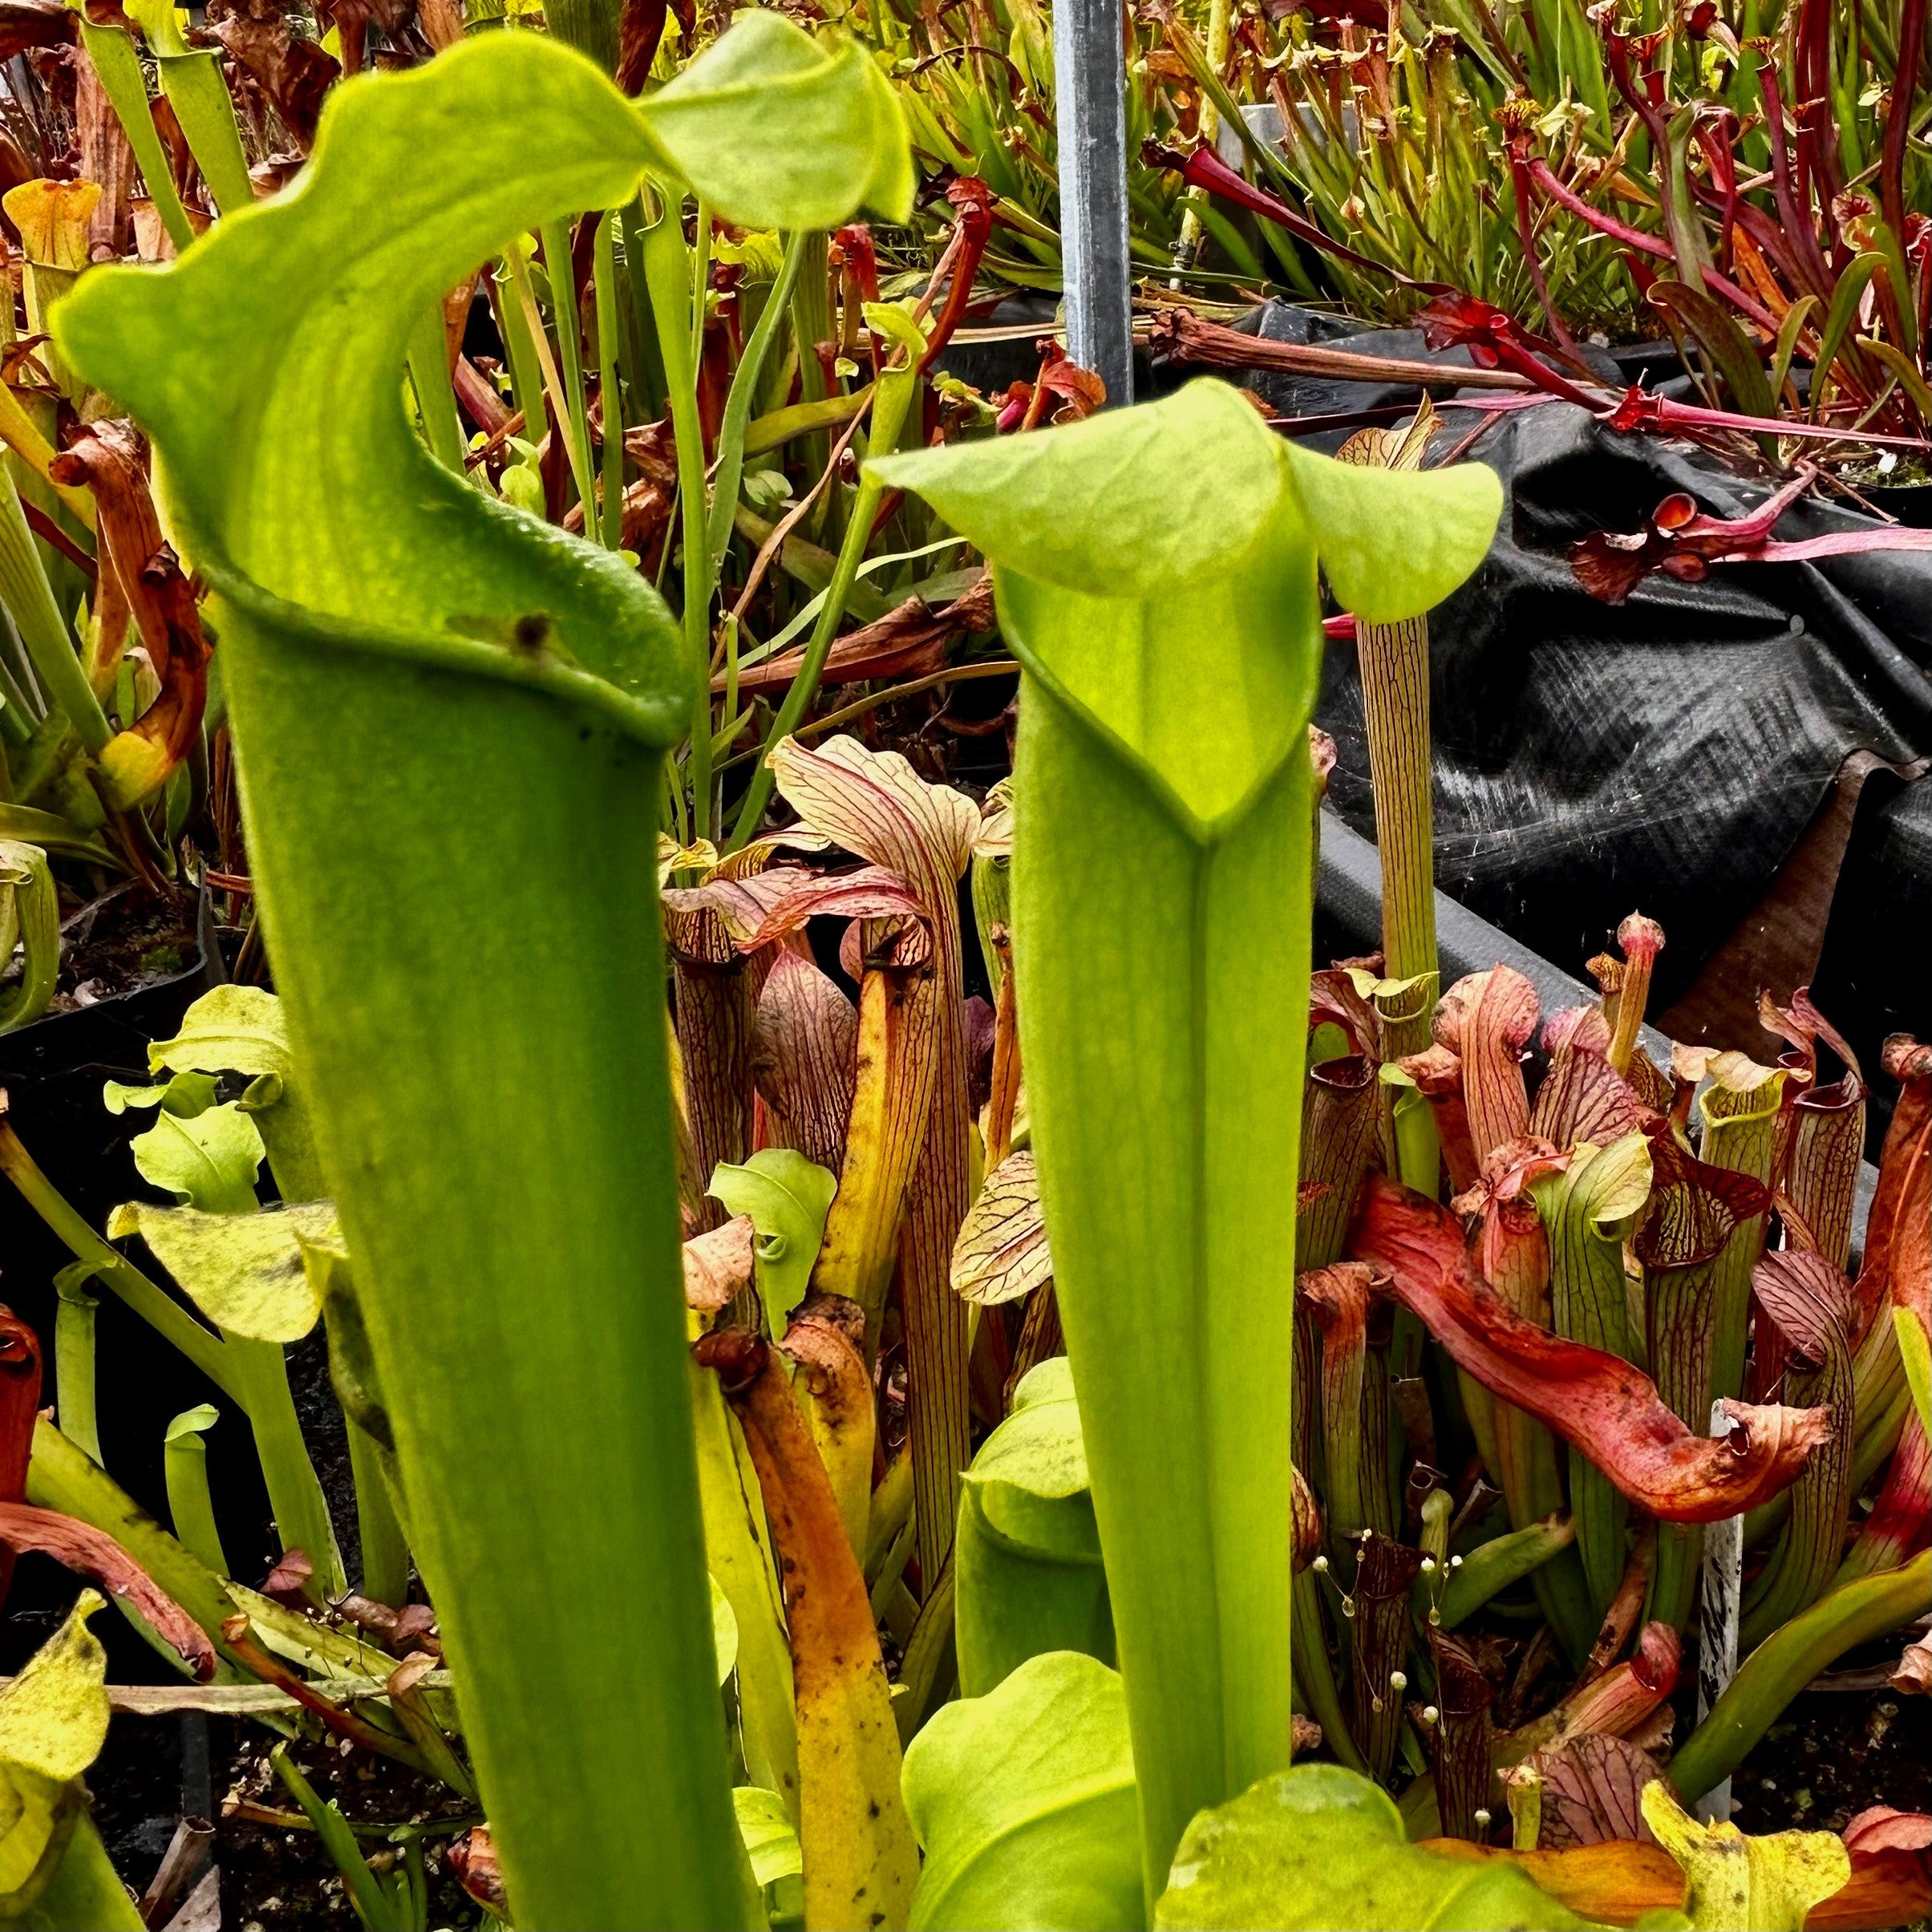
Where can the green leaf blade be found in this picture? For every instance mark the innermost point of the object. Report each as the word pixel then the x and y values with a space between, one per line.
pixel 1024 1803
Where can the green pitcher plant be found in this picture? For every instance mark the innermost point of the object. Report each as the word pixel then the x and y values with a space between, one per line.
pixel 501 1153
pixel 1156 572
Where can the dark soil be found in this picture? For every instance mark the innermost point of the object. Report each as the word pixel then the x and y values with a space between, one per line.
pixel 274 1876
pixel 1832 1755
pixel 123 943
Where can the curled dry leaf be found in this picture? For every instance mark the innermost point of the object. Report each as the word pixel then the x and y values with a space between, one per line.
pixel 110 457
pixel 94 1554
pixel 292 70
pixel 860 1857
pixel 909 641
pixel 473 1857
pixel 1306 1522
pixel 1002 1251
pixel 719 1265
pixel 1914 1675
pixel 1598 1403
pixel 873 803
pixel 805 1060
pixel 1486 1020
pixel 1590 1791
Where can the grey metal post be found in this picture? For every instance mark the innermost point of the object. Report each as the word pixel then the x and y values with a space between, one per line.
pixel 1090 81
pixel 1717 1619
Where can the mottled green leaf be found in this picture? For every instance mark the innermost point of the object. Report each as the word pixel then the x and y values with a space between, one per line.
pixel 1028 1574
pixel 1318 1847
pixel 209 1161
pixel 187 1095
pixel 54 1716
pixel 244 1272
pixel 788 1198
pixel 230 1029
pixel 1736 1883
pixel 1023 1801
pixel 771 1839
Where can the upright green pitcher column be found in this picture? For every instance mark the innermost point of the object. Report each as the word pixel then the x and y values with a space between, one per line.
pixel 1157 573
pixel 449 724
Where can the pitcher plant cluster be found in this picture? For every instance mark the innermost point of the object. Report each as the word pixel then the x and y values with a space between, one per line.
pixel 827 1450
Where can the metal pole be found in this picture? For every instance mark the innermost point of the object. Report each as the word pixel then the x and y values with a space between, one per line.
pixel 1717 1620
pixel 1090 80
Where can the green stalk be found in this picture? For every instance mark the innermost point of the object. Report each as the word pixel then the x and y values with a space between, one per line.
pixel 1786 1662
pixel 745 382
pixel 506 1175
pixel 382 1544
pixel 191 78
pixel 812 325
pixel 29 602
pixel 1149 562
pixel 1314 1672
pixel 1740 1130
pixel 374 1907
pixel 648 389
pixel 74 1325
pixel 436 400
pixel 1589 1211
pixel 85 1889
pixel 526 372
pixel 1502 1561
pixel 604 280
pixel 552 383
pixel 119 67
pixel 667 275
pixel 153 1304
pixel 301 1511
pixel 184 1464
pixel 560 265
pixel 892 405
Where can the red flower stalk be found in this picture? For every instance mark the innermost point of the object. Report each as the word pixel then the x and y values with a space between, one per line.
pixel 1679 540
pixel 1607 1409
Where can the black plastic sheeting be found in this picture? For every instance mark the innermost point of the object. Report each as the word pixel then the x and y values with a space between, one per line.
pixel 1667 753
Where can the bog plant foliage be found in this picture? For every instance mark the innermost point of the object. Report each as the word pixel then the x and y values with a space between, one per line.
pixel 1107 1378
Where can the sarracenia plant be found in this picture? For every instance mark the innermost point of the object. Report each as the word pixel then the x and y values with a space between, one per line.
pixel 501 1152
pixel 1156 575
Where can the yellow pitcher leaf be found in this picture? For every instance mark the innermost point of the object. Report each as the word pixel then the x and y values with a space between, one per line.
pixel 52 218
pixel 1735 1883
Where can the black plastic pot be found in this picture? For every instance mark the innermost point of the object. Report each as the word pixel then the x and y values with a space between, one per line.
pixel 53 1073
